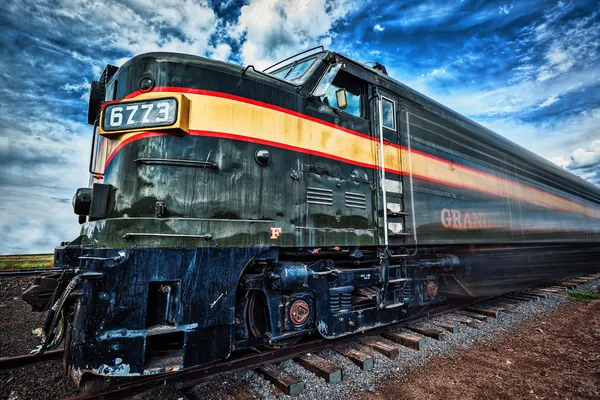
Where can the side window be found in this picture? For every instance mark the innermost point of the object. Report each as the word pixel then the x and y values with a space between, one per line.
pixel 388 109
pixel 355 94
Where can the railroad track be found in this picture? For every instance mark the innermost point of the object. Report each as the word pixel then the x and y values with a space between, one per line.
pixel 26 359
pixel 25 272
pixel 470 314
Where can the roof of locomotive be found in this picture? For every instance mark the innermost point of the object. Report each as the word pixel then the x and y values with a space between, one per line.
pixel 479 132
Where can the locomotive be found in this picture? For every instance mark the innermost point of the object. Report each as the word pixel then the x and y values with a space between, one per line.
pixel 231 208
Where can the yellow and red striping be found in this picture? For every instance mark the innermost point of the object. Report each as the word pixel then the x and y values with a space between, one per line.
pixel 228 116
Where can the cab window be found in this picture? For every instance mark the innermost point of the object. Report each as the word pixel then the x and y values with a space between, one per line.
pixel 355 94
pixel 296 70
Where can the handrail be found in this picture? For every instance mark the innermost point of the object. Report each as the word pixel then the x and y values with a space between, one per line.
pixel 295 55
pixel 92 153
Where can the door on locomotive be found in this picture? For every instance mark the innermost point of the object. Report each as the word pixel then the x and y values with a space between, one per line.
pixel 387 126
pixel 339 195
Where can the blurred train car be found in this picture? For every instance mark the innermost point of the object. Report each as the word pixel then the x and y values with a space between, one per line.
pixel 233 208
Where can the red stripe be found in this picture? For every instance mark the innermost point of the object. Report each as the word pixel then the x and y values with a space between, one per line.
pixel 130 139
pixel 302 150
pixel 223 135
pixel 294 113
pixel 244 100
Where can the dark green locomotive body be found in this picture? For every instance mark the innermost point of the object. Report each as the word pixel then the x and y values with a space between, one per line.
pixel 329 211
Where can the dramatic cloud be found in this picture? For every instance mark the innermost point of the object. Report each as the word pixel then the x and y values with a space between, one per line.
pixel 272 30
pixel 585 162
pixel 528 71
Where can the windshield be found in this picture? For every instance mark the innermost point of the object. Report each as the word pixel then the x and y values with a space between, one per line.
pixel 296 70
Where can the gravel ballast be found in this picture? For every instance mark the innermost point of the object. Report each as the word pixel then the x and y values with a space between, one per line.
pixel 356 380
pixel 25 382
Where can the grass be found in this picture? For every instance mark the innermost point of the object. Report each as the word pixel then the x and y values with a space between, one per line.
pixel 582 296
pixel 26 261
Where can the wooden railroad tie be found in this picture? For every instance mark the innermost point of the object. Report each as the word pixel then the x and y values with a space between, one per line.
pixel 559 288
pixel 287 383
pixel 436 334
pixel 488 312
pixel 508 306
pixel 569 285
pixel 538 293
pixel 243 391
pixel 321 367
pixel 473 315
pixel 363 360
pixel 465 321
pixel 520 298
pixel 529 295
pixel 384 348
pixel 550 291
pixel 580 280
pixel 405 339
pixel 449 327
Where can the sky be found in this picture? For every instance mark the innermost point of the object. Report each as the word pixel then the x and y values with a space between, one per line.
pixel 528 70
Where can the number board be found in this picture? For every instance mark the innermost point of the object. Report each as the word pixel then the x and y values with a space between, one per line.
pixel 140 114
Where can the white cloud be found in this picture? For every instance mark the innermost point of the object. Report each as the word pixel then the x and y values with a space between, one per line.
pixel 510 99
pixel 585 157
pixel 558 141
pixel 505 9
pixel 39 177
pixel 136 26
pixel 550 100
pixel 83 88
pixel 378 28
pixel 585 162
pixel 421 13
pixel 272 30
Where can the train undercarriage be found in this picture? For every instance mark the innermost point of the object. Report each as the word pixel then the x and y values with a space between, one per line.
pixel 176 314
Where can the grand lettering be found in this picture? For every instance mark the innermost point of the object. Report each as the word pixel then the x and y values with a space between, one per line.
pixel 455 219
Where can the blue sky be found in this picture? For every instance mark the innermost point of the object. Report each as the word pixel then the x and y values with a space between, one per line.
pixel 528 70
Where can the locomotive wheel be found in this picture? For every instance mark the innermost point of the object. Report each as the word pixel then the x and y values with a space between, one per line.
pixel 256 316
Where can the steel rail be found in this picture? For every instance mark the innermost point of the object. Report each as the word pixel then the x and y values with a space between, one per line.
pixel 244 360
pixel 19 361
pixel 19 272
pixel 195 375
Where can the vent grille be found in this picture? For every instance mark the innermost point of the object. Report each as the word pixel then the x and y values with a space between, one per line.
pixel 319 196
pixel 355 200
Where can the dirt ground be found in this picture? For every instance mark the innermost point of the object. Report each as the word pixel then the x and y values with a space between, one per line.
pixel 16 319
pixel 556 356
pixel 40 381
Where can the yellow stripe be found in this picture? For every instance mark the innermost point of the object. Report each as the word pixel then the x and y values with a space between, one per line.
pixel 228 116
